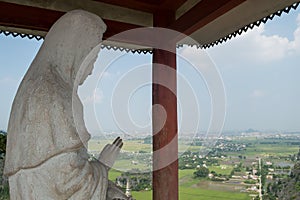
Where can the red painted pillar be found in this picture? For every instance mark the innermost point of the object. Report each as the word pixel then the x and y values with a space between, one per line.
pixel 165 142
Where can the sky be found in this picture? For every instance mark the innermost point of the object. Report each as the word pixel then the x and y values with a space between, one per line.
pixel 256 74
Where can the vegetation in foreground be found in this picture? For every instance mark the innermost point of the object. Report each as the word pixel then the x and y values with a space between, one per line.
pixel 4 190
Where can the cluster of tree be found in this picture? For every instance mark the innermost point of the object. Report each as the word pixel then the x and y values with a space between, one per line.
pixel 293 157
pixel 286 188
pixel 4 190
pixel 219 177
pixel 138 180
pixel 281 141
pixel 238 168
pixel 202 172
pixel 148 140
pixel 263 172
pixel 216 153
pixel 196 143
pixel 2 143
pixel 295 143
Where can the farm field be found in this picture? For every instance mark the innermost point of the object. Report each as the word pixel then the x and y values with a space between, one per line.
pixel 195 194
pixel 96 145
pixel 136 155
pixel 189 189
pixel 129 145
pixel 193 189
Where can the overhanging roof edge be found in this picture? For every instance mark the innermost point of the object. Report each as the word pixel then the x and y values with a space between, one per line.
pixel 39 35
pixel 249 26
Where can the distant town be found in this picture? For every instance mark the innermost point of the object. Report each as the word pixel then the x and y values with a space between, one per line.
pixel 247 164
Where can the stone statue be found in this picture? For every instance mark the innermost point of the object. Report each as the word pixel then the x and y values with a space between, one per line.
pixel 46 146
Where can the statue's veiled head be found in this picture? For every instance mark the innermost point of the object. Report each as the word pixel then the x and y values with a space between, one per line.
pixel 68 43
pixel 42 121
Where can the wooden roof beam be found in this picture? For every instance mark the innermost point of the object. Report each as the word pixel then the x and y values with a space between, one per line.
pixel 203 13
pixel 18 16
pixel 172 5
pixel 27 17
pixel 146 5
pixel 131 4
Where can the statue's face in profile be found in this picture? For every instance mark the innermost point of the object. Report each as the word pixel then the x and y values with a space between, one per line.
pixel 88 69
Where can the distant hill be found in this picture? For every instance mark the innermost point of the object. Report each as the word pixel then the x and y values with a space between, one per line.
pixel 250 130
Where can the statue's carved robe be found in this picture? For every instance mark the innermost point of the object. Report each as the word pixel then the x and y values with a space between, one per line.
pixel 46 153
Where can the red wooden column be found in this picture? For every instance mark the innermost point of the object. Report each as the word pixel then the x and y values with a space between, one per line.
pixel 165 156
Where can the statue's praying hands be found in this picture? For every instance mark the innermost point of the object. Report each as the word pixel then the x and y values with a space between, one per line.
pixel 110 153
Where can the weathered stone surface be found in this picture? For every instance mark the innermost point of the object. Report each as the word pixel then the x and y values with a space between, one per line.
pixel 46 154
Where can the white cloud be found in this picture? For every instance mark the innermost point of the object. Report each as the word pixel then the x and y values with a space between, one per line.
pixel 197 57
pixel 96 97
pixel 298 20
pixel 256 46
pixel 269 48
pixel 257 93
pixel 106 74
pixel 296 42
